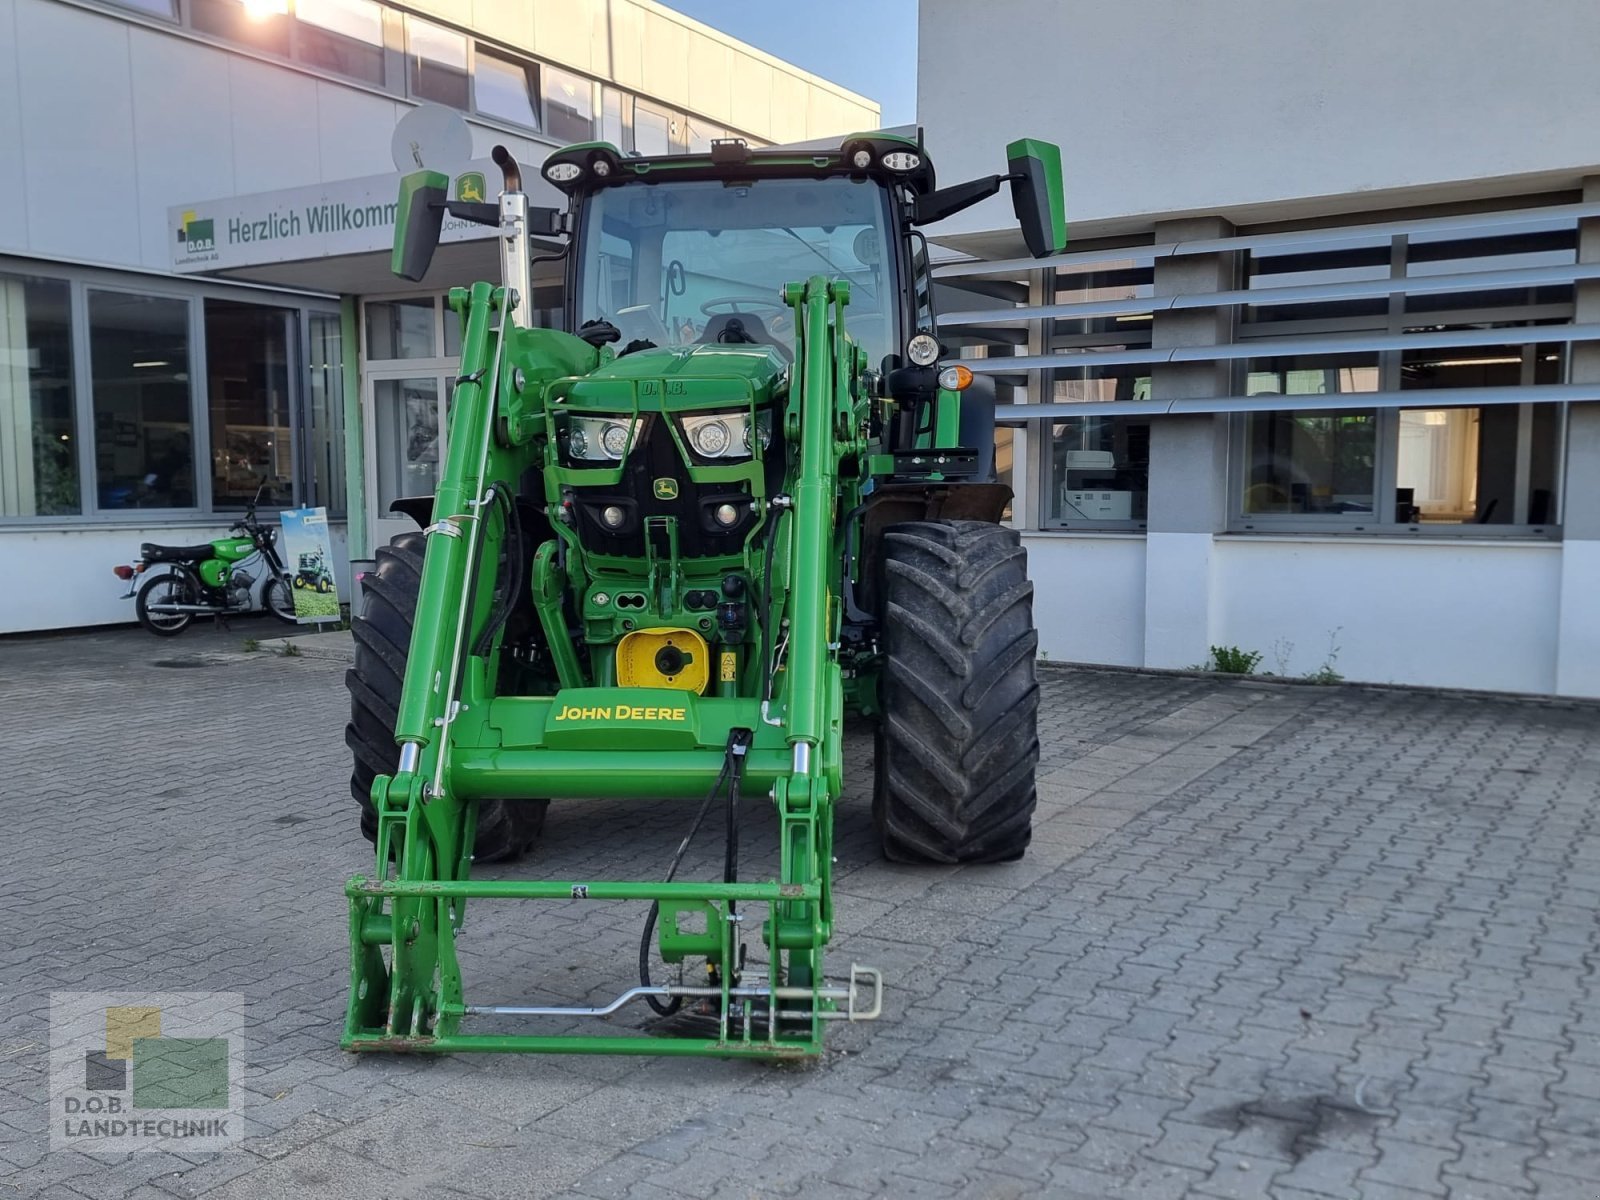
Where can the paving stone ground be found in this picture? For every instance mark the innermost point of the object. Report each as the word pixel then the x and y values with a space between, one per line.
pixel 1270 941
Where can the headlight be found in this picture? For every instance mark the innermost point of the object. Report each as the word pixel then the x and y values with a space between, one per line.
pixel 923 349
pixel 763 432
pixel 562 172
pixel 727 435
pixel 601 439
pixel 901 160
pixel 710 438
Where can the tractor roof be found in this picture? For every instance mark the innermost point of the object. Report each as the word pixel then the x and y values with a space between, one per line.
pixel 887 157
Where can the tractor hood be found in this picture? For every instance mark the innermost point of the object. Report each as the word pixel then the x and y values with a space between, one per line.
pixel 761 367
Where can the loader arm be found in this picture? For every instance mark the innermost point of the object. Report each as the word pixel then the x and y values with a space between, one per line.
pixel 459 742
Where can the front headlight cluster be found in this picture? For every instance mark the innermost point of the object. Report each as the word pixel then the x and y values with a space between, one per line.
pixel 601 439
pixel 727 435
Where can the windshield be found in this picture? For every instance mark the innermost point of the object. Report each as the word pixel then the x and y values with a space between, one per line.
pixel 674 264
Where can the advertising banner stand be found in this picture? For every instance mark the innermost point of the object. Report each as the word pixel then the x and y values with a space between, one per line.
pixel 308 558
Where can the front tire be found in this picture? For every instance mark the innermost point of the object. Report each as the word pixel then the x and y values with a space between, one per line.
pixel 172 587
pixel 958 742
pixel 278 600
pixel 507 829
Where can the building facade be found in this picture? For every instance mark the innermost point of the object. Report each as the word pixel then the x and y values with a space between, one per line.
pixel 1319 376
pixel 195 300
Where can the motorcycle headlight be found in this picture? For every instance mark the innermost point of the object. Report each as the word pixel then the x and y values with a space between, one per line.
pixel 601 439
pixel 724 435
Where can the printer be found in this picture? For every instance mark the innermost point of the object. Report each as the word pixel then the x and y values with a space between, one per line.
pixel 1089 488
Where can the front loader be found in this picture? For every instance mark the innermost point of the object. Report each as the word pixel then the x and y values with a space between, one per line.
pixel 670 549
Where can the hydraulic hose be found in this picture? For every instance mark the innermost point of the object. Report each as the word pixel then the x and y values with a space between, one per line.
pixel 514 559
pixel 673 1003
pixel 768 667
pixel 738 746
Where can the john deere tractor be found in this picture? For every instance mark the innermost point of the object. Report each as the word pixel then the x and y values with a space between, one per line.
pixel 673 545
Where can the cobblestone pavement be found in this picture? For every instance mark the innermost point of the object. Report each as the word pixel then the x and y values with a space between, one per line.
pixel 1270 941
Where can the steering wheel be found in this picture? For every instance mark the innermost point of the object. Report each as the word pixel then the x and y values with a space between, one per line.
pixel 738 304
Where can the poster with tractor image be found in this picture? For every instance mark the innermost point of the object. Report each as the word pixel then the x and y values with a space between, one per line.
pixel 308 559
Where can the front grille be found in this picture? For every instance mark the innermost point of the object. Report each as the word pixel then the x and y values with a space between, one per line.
pixel 657 457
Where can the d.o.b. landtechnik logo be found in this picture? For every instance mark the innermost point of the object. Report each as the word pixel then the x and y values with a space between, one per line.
pixel 144 1071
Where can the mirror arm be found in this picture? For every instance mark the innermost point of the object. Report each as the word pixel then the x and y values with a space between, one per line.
pixel 478 214
pixel 946 202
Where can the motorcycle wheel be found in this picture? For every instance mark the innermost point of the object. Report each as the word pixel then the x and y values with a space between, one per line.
pixel 175 587
pixel 278 600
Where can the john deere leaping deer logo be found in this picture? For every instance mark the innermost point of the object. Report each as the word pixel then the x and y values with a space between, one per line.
pixel 665 488
pixel 471 187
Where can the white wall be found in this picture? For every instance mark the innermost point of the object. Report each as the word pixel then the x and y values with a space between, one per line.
pixel 1167 106
pixel 1088 597
pixel 1434 613
pixel 62 577
pixel 1439 614
pixel 111 121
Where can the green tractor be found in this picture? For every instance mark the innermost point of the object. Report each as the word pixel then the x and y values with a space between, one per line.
pixel 669 552
pixel 312 574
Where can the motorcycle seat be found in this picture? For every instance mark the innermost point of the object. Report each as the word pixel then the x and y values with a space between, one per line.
pixel 154 553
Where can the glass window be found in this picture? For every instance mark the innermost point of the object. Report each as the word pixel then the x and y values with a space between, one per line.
pixel 247 391
pixel 654 131
pixel 263 24
pixel 1461 465
pixel 1310 268
pixel 345 36
pixel 156 8
pixel 1448 254
pixel 1118 381
pixel 38 436
pixel 616 113
pixel 1116 280
pixel 1099 470
pixel 701 133
pixel 438 63
pixel 677 263
pixel 401 328
pixel 139 366
pixel 325 415
pixel 1309 462
pixel 568 105
pixel 505 88
pixel 406 424
pixel 1311 374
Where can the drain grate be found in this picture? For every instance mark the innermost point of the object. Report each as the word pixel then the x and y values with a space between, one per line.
pixel 179 662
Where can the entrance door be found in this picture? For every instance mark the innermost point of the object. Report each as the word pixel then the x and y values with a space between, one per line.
pixel 408 423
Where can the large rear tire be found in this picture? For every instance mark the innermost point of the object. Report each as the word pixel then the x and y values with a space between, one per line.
pixel 958 742
pixel 506 828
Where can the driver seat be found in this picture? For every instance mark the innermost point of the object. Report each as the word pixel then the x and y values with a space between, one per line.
pixel 736 329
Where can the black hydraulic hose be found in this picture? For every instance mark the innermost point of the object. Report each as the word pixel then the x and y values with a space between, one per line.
pixel 514 559
pixel 768 667
pixel 738 746
pixel 673 1003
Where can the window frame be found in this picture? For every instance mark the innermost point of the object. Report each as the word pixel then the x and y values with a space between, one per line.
pixel 533 71
pixel 1386 456
pixel 82 280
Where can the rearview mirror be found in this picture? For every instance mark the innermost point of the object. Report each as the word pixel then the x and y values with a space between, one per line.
pixel 417 222
pixel 1037 195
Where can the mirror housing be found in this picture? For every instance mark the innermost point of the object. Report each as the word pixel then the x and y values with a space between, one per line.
pixel 1037 195
pixel 417 222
